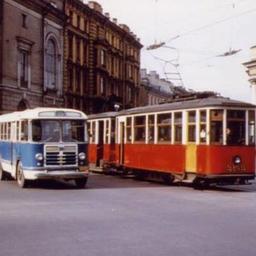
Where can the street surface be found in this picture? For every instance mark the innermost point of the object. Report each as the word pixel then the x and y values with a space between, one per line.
pixel 125 217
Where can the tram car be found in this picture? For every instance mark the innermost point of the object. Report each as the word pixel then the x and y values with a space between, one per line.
pixel 200 141
pixel 102 142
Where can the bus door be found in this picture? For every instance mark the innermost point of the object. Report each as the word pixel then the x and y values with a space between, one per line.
pixel 121 147
pixel 100 145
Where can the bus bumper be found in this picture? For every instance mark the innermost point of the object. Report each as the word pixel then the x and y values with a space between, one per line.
pixel 82 172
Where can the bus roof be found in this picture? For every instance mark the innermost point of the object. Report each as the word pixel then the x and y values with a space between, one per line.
pixel 43 113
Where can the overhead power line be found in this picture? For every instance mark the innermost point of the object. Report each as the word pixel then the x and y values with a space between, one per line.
pixel 210 25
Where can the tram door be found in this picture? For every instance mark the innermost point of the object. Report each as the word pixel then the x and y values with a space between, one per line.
pixel 191 158
pixel 121 149
pixel 100 145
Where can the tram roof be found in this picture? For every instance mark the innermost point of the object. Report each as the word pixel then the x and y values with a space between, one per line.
pixel 103 115
pixel 44 113
pixel 215 101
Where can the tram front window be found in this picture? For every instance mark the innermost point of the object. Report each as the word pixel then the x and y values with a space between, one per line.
pixel 55 131
pixel 235 127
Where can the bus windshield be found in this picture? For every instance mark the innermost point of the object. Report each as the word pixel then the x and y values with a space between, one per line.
pixel 55 131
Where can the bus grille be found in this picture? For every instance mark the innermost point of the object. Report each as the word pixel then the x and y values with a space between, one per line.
pixel 60 155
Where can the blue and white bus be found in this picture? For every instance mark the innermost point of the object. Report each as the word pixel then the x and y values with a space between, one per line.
pixel 44 143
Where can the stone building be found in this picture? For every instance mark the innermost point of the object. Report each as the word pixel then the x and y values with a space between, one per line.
pixel 102 60
pixel 251 71
pixel 31 54
pixel 155 90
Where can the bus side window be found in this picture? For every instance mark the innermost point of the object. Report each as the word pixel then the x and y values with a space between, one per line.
pixel 24 130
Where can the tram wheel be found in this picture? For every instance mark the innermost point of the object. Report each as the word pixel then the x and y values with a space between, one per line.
pixel 168 179
pixel 22 182
pixel 81 183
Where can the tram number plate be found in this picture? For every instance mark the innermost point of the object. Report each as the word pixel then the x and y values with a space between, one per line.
pixel 235 168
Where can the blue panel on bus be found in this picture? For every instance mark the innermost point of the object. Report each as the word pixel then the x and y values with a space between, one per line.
pixel 25 152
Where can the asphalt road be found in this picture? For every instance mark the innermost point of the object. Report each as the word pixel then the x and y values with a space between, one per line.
pixel 124 217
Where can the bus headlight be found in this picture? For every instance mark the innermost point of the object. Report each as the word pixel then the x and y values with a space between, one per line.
pixel 237 160
pixel 82 156
pixel 39 157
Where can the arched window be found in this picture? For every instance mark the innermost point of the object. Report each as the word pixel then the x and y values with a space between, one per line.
pixel 51 65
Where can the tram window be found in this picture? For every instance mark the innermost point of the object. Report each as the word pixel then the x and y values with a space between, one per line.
pixel 192 126
pixel 235 127
pixel 24 130
pixel 202 135
pixel 93 130
pixel 216 126
pixel 107 132
pixel 139 128
pixel 151 128
pixel 178 127
pixel 164 124
pixel 251 127
pixel 113 133
pixel 128 129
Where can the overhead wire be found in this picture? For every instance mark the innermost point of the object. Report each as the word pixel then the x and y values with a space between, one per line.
pixel 210 25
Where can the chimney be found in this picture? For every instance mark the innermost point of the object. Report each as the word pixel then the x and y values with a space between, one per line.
pixel 125 27
pixel 107 15
pixel 115 20
pixel 95 6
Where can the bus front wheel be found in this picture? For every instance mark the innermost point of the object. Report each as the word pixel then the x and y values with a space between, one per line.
pixel 3 174
pixel 22 182
pixel 81 183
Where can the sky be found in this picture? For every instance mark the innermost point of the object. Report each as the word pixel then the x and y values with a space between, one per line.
pixel 195 33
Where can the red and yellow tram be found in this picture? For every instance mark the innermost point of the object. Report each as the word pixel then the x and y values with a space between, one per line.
pixel 205 140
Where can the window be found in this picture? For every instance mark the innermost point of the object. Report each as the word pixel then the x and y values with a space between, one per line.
pixel 92 132
pixel 251 127
pixel 164 124
pixel 24 20
pixel 235 127
pixel 23 64
pixel 216 126
pixel 191 126
pixel 8 131
pixel 202 128
pixel 102 58
pixel 178 127
pixel 51 65
pixel 78 52
pixel 70 46
pixel 139 128
pixel 128 129
pixel 113 131
pixel 78 79
pixel 151 128
pixel 78 21
pixel 102 86
pixel 24 130
pixel 107 131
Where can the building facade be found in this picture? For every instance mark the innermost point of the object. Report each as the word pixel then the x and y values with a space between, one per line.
pixel 155 90
pixel 251 71
pixel 101 60
pixel 31 54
